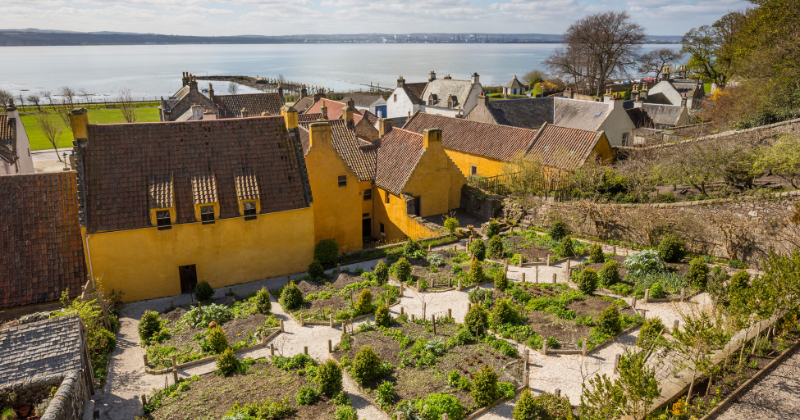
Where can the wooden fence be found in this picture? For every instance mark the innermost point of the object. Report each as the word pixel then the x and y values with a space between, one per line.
pixel 545 184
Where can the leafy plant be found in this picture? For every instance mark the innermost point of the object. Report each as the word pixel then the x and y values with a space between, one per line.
pixel 609 321
pixel 557 231
pixel 515 260
pixel 587 281
pixel 477 321
pixel 609 274
pixel 364 302
pixel 366 365
pixel 649 332
pixel 345 412
pixel 503 312
pixel 451 224
pixel 435 260
pixel 291 297
pixel 643 263
pixel 506 390
pixel 268 410
pixel 382 318
pixel 484 387
pixel 381 272
pixel 478 249
pixel 543 406
pixel 306 395
pixel 411 248
pixel 385 394
pixel 698 274
pixel 149 325
pixel 739 283
pixel 263 303
pixel 630 395
pixel 500 281
pixel 671 249
pixel 215 341
pixel 492 229
pixel 329 378
pixel 326 252
pixel 316 271
pixel 656 291
pixel 476 272
pixel 204 315
pixel 596 254
pixel 495 249
pixel 227 362
pixel 434 405
pixel 203 291
pixel 402 269
pixel 565 248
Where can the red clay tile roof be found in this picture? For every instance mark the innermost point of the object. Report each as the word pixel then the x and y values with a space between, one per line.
pixel 398 155
pixel 246 184
pixel 161 191
pixel 41 251
pixel 302 104
pixel 335 108
pixel 358 156
pixel 372 118
pixel 308 117
pixel 562 147
pixel 499 142
pixel 121 159
pixel 230 106
pixel 204 188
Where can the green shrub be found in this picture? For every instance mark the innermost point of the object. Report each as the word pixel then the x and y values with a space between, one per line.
pixel 100 342
pixel 411 247
pixel 515 260
pixel 203 291
pixel 202 316
pixel 656 291
pixel 345 412
pixel 329 378
pixel 502 312
pixel 671 249
pixel 557 231
pixel 565 248
pixel 484 387
pixel 542 407
pixel 739 283
pixel 596 254
pixel 364 302
pixel 451 224
pixel 622 289
pixel 478 249
pixel 381 272
pixel 269 409
pixel 227 362
pixel 382 318
pixel 477 321
pixel 326 252
pixel 316 271
pixel 495 249
pixel 149 325
pixel 476 272
pixel 525 408
pixel 263 303
pixel 500 281
pixel 698 274
pixel 385 394
pixel 307 395
pixel 493 229
pixel 609 321
pixel 402 269
pixel 291 297
pixel 587 281
pixel 366 365
pixel 216 340
pixel 649 332
pixel 609 274
pixel 434 405
pixel 506 390
pixel 643 263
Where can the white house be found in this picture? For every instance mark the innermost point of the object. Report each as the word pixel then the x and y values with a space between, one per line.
pixel 676 92
pixel 514 87
pixel 405 99
pixel 445 96
pixel 364 102
pixel 15 149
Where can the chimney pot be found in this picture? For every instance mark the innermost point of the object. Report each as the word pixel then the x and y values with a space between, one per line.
pixel 432 76
pixel 384 126
pixel 431 136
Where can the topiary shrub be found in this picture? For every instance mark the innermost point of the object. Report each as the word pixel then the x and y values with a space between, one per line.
pixel 364 302
pixel 451 224
pixel 609 321
pixel 656 291
pixel 434 405
pixel 587 281
pixel 477 321
pixel 326 252
pixel 316 271
pixel 542 407
pixel 306 395
pixel 149 325
pixel 216 340
pixel 557 231
pixel 402 269
pixel 671 249
pixel 495 249
pixel 609 274
pixel 382 318
pixel 381 272
pixel 203 291
pixel 227 362
pixel 596 254
pixel 411 248
pixel 329 378
pixel 500 281
pixel 493 229
pixel 476 272
pixel 502 312
pixel 739 282
pixel 484 387
pixel 263 304
pixel 565 248
pixel 698 274
pixel 366 365
pixel 526 409
pixel 291 297
pixel 478 249
pixel 649 332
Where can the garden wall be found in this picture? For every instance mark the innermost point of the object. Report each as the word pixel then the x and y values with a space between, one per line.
pixel 483 207
pixel 68 402
pixel 744 228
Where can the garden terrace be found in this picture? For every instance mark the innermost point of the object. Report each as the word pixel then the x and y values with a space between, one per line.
pixel 418 362
pixel 184 329
pixel 441 269
pixel 536 247
pixel 262 382
pixel 564 316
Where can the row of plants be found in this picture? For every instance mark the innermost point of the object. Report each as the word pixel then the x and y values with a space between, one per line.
pixel 438 269
pixel 556 240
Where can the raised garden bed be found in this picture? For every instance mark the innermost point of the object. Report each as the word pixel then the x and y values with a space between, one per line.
pixel 564 316
pixel 273 389
pixel 537 248
pixel 416 363
pixel 184 329
pixel 442 269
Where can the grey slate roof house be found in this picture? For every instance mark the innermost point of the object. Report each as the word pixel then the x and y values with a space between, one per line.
pixel 675 91
pixel 514 87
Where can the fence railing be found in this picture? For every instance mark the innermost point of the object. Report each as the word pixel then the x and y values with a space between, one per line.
pixel 555 184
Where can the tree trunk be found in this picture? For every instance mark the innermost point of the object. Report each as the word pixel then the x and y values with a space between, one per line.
pixel 691 385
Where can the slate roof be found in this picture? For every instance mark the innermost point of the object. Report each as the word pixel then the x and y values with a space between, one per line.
pixel 230 106
pixel 640 118
pixel 415 90
pixel 361 99
pixel 523 113
pixel 399 122
pixel 359 157
pixel 48 347
pixel 41 251
pixel 663 114
pixel 499 142
pixel 398 155
pixel 562 147
pixel 121 159
pixel 584 115
pixel 372 118
pixel 514 84
pixel 302 104
pixel 444 89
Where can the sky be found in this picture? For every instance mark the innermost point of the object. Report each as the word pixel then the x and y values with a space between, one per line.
pixel 292 17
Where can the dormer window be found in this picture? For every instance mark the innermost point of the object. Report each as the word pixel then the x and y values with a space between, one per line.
pixel 207 213
pixel 204 195
pixel 247 194
pixel 249 208
pixel 163 218
pixel 162 207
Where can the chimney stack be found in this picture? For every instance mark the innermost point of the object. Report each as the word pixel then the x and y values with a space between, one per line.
pixel 197 112
pixel 431 136
pixel 347 114
pixel 185 78
pixel 483 100
pixel 211 92
pixel 665 73
pixel 384 127
pixel 209 115
pixel 289 116
pixel 303 91
pixel 351 103
pixel 319 134
pixel 79 123
pixel 192 83
pixel 280 90
pixel 432 76
pixel 608 97
pixel 643 93
pixel 475 78
pixel 401 83
pixel 324 110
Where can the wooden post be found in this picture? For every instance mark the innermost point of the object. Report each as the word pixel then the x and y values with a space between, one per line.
pixel 505 267
pixel 616 362
pixel 755 341
pixel 558 392
pixel 525 372
pixel 520 261
pixel 633 303
pixel 433 322
pixel 144 356
pixel 544 346
pixel 170 303
pixel 331 320
pixel 344 327
pixel 419 285
pixel 399 415
pixel 302 320
pixel 402 311
pixel 338 267
pixel 429 248
pixel 567 271
pixel 454 248
pixel 585 347
pixel 401 288
pixel 647 295
pixel 412 318
pixel 445 416
pixel 330 346
pixel 554 278
pixel 449 313
pixel 675 326
pixel 144 400
pixel 305 350
pixel 537 275
pixel 174 370
pixel 282 330
pixel 683 294
pixel 615 250
pixel 272 349
pixel 523 277
pixel 459 284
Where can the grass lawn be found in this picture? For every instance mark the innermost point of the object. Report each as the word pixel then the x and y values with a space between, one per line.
pixel 707 86
pixel 100 116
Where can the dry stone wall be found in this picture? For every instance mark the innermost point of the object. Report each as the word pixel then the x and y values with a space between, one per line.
pixel 68 402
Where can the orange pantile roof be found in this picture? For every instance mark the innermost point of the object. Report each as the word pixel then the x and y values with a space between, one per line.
pixel 562 147
pixel 399 152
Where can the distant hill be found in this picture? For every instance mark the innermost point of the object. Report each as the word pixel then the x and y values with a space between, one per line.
pixel 43 37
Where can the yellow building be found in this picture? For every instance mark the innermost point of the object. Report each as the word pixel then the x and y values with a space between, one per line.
pixel 167 205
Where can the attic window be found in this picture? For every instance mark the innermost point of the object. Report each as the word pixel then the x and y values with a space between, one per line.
pixel 249 208
pixel 162 218
pixel 368 194
pixel 343 180
pixel 207 213
pixel 395 97
pixel 598 113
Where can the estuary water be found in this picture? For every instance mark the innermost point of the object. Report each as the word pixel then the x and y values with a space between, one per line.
pixel 152 71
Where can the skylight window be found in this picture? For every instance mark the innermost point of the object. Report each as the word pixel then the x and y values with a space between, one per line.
pixel 598 113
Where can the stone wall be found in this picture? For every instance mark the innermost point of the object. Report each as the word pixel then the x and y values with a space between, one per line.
pixel 68 402
pixel 479 204
pixel 745 228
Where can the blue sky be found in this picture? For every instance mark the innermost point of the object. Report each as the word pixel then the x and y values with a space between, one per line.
pixel 282 17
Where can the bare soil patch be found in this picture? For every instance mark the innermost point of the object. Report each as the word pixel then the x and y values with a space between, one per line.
pixel 532 253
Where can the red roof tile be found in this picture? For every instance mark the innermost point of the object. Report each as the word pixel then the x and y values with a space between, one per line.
pixel 359 156
pixel 6 131
pixel 41 251
pixel 398 155
pixel 562 147
pixel 335 108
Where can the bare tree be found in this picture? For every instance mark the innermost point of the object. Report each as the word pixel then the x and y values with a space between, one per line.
pixel 598 47
pixel 233 88
pixel 655 60
pixel 5 96
pixel 51 129
pixel 35 99
pixel 126 106
pixel 21 100
pixel 47 95
pixel 68 95
pixel 85 95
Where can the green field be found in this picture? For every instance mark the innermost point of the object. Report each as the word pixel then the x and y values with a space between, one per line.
pixel 101 116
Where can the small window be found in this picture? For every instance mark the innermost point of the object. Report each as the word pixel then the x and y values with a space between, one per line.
pixel 473 170
pixel 249 208
pixel 364 214
pixel 162 218
pixel 624 139
pixel 395 97
pixel 343 180
pixel 207 213
pixel 387 196
pixel 383 229
pixel 368 194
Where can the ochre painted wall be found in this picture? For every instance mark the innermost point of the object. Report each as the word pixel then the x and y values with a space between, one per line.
pixel 397 224
pixel 604 150
pixel 337 210
pixel 486 167
pixel 143 263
